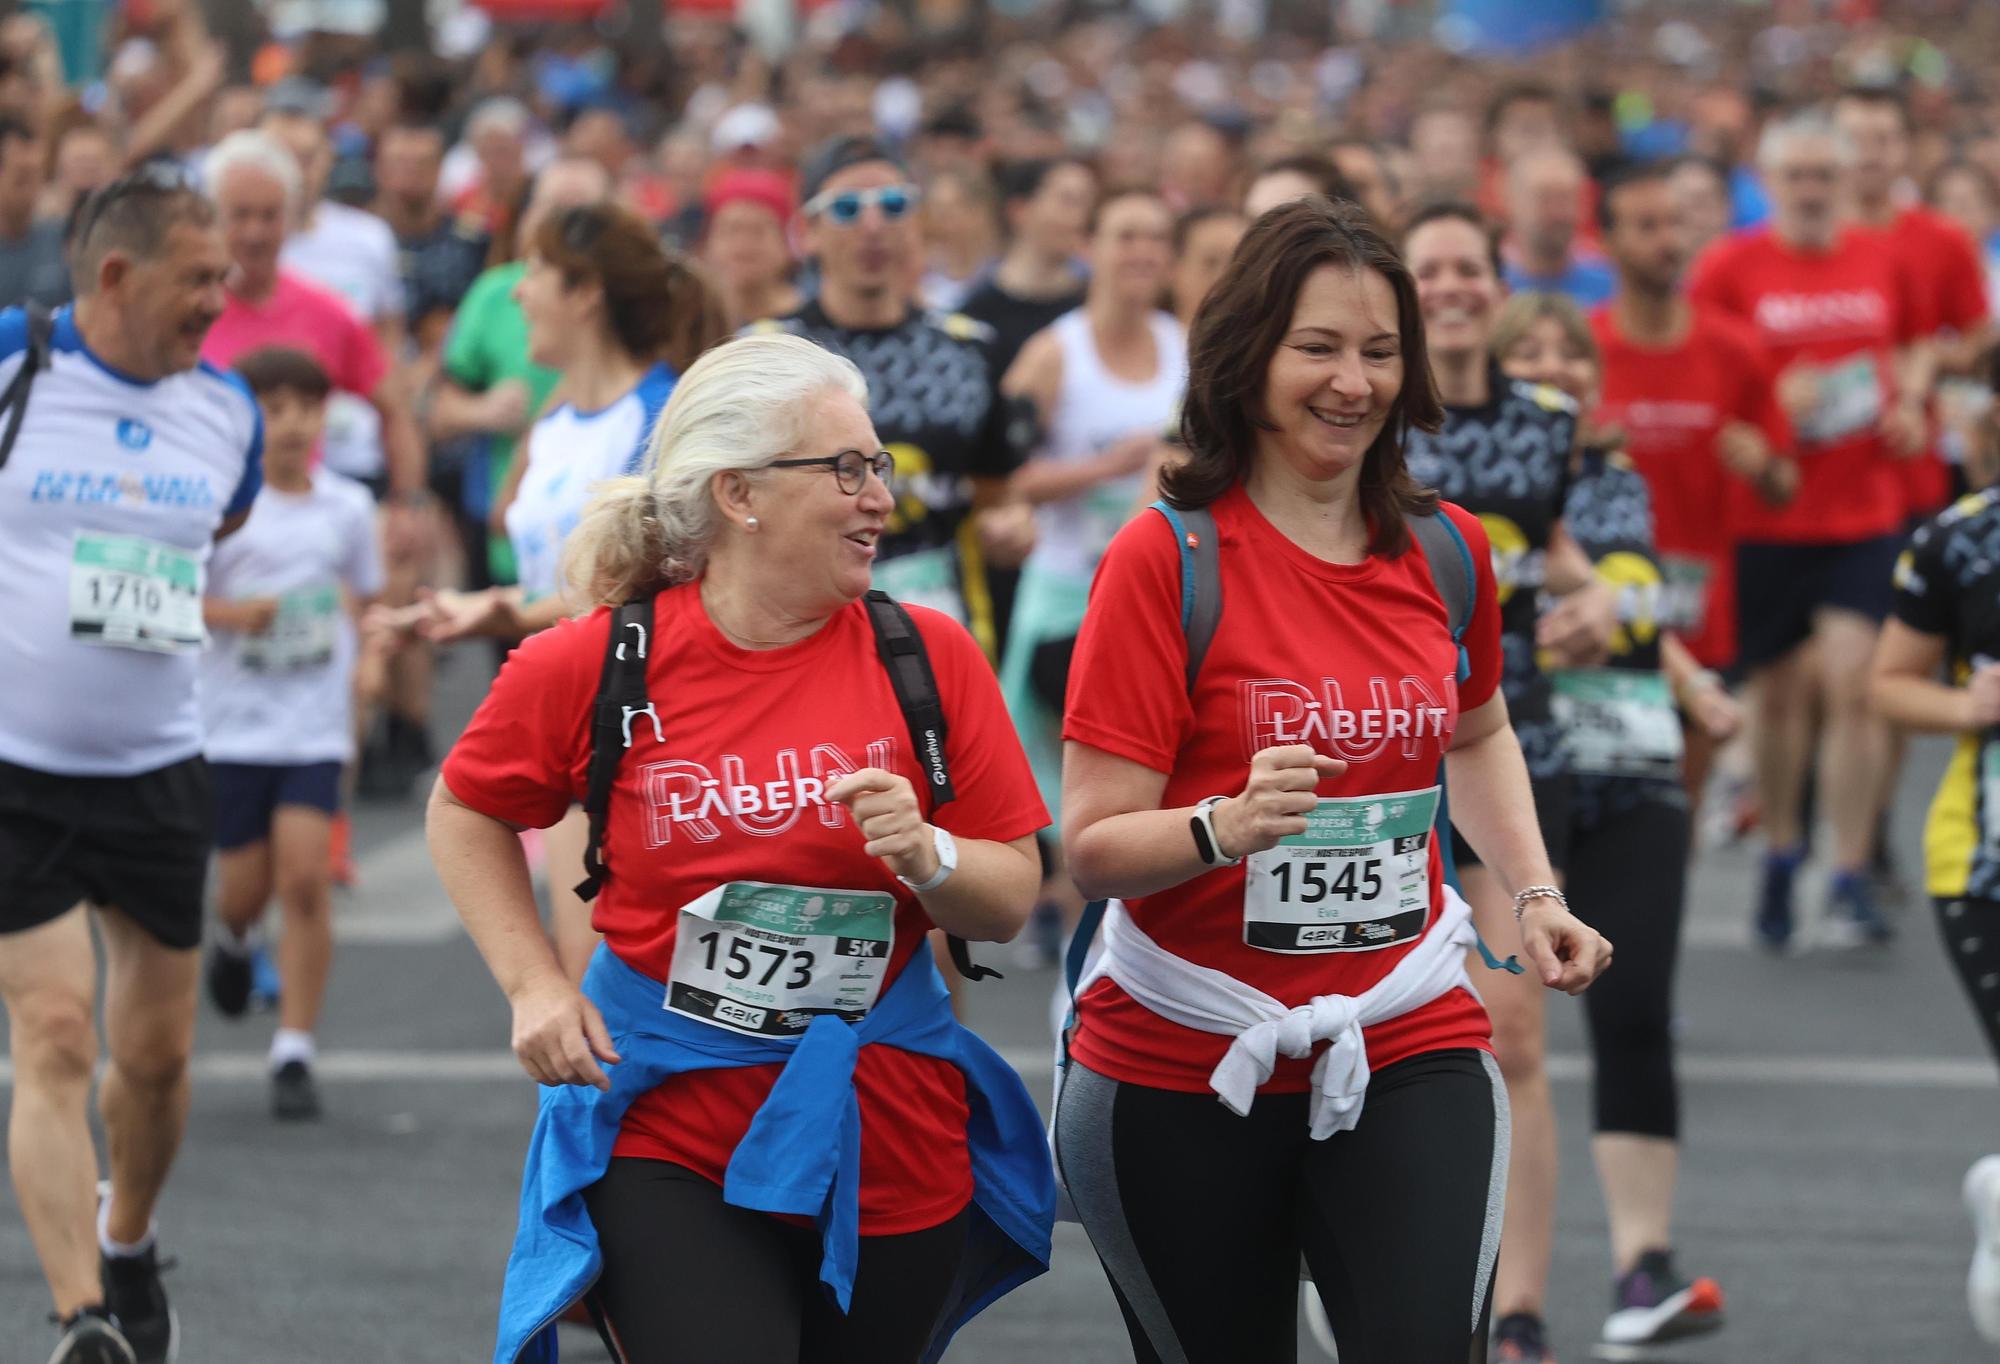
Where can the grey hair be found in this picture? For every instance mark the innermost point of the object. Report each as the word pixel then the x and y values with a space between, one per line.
pixel 1812 122
pixel 740 406
pixel 502 113
pixel 254 150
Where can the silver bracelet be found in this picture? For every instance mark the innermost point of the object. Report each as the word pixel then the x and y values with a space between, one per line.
pixel 1527 893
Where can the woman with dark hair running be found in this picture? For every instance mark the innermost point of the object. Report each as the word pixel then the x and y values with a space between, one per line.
pixel 1260 803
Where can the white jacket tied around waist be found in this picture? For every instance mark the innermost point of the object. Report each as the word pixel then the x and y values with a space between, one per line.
pixel 1208 1000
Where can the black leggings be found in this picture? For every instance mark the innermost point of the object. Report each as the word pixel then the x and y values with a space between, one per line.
pixel 1971 932
pixel 1200 1217
pixel 1628 880
pixel 689 1279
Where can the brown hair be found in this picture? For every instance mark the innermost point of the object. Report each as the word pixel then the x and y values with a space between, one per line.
pixel 657 303
pixel 284 369
pixel 1523 311
pixel 1237 330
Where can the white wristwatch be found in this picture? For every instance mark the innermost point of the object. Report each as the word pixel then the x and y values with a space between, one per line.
pixel 947 853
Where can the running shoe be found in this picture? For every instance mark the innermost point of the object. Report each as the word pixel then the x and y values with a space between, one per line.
pixel 133 1293
pixel 228 976
pixel 1522 1338
pixel 90 1336
pixel 294 1097
pixel 1982 1284
pixel 1774 899
pixel 266 985
pixel 1653 1305
pixel 1852 914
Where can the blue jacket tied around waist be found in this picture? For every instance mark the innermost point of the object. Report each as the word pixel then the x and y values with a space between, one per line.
pixel 786 1162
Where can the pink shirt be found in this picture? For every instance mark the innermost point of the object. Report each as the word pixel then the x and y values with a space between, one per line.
pixel 302 315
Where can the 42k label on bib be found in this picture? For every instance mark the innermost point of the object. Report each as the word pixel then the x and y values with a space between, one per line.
pixel 768 959
pixel 1357 880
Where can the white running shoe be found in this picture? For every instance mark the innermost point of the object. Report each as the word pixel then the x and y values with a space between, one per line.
pixel 1982 1283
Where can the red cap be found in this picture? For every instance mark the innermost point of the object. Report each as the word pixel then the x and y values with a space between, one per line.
pixel 768 188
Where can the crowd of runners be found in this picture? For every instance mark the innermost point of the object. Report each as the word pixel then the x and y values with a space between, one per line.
pixel 1313 539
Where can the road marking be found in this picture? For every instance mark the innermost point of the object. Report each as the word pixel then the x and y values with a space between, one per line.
pixel 1806 1072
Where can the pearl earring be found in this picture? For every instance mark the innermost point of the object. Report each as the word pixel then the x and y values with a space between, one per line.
pixel 750 522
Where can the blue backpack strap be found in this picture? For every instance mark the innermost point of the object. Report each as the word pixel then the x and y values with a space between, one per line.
pixel 1201 580
pixel 1452 573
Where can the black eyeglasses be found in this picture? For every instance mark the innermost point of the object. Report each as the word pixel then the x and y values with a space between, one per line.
pixel 153 177
pixel 850 468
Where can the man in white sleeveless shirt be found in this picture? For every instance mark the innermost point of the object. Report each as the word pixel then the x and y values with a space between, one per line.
pixel 131 458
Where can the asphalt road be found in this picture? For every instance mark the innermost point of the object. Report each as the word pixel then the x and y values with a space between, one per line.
pixel 1833 1102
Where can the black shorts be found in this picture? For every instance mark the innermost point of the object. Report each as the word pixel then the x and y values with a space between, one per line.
pixel 1555 802
pixel 1778 587
pixel 135 844
pixel 248 794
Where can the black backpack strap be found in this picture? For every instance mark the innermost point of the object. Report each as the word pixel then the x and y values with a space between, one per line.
pixel 14 401
pixel 915 685
pixel 621 700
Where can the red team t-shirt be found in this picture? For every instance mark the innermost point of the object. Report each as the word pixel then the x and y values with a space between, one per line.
pixel 1671 403
pixel 1337 655
pixel 769 730
pixel 1844 311
pixel 1950 289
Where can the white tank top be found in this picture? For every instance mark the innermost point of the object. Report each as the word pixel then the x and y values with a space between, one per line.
pixel 1094 409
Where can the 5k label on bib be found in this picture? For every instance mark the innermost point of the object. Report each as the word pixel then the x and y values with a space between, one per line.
pixel 768 959
pixel 1358 879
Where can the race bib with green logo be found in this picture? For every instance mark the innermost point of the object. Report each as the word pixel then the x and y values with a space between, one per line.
pixel 1618 722
pixel 1849 402
pixel 302 636
pixel 1684 593
pixel 929 577
pixel 768 959
pixel 129 592
pixel 1358 878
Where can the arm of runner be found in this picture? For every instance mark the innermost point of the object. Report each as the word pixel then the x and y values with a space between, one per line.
pixel 989 897
pixel 1699 692
pixel 1120 843
pixel 402 443
pixel 502 410
pixel 1578 628
pixel 1904 690
pixel 558 1035
pixel 1493 806
pixel 1906 422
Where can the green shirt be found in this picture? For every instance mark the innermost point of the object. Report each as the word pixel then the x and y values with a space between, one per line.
pixel 488 345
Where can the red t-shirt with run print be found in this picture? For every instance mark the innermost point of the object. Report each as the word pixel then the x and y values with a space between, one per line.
pixel 735 791
pixel 1355 659
pixel 1950 285
pixel 1844 312
pixel 1671 404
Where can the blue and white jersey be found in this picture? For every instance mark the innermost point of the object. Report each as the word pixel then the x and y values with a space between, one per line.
pixel 109 506
pixel 570 452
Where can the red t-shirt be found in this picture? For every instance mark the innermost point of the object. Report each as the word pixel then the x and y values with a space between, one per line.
pixel 1843 311
pixel 1672 403
pixel 317 321
pixel 1950 285
pixel 775 728
pixel 1306 651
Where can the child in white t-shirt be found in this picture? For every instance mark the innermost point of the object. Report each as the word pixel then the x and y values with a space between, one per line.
pixel 277 706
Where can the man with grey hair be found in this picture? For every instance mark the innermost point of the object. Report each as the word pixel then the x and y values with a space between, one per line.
pixel 1837 317
pixel 123 459
pixel 1545 202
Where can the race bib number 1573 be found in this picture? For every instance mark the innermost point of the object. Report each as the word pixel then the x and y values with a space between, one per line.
pixel 768 959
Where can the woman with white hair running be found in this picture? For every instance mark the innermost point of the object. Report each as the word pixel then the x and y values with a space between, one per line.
pixel 771 858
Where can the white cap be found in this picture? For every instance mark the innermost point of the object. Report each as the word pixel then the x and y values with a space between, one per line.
pixel 747 125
